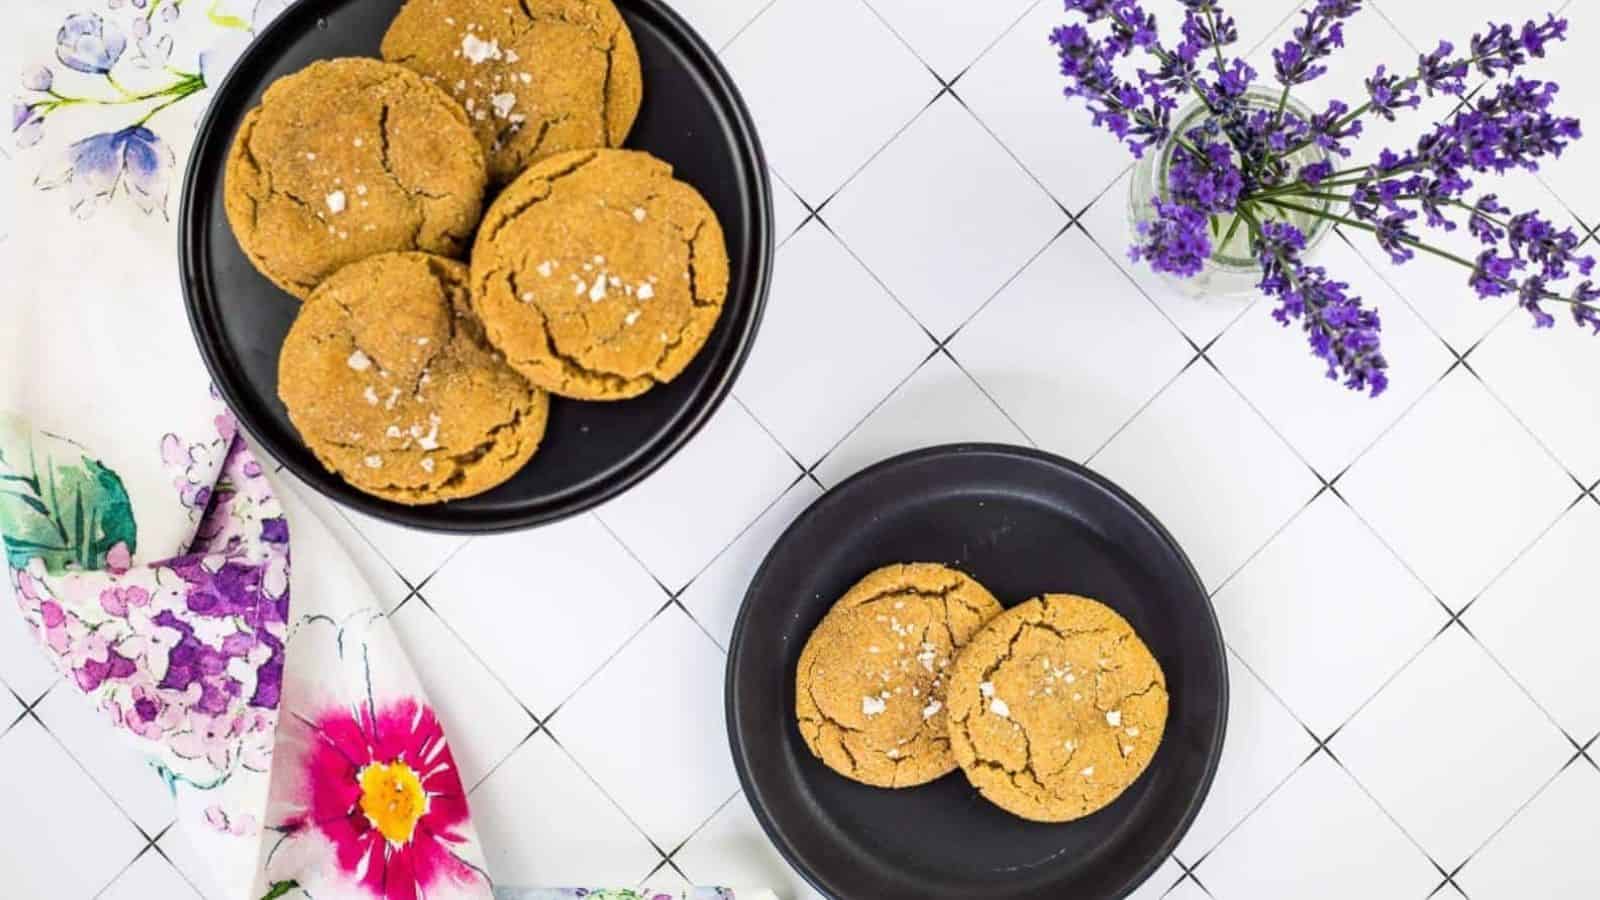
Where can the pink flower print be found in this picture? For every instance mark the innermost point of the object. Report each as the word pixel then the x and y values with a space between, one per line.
pixel 239 825
pixel 209 737
pixel 117 600
pixel 84 645
pixel 382 788
pixel 119 558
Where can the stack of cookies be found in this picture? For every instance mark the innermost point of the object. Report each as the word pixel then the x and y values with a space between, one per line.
pixel 1052 709
pixel 358 186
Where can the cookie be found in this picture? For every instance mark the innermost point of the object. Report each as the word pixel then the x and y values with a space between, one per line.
pixel 1056 707
pixel 537 78
pixel 598 275
pixel 391 383
pixel 346 159
pixel 870 689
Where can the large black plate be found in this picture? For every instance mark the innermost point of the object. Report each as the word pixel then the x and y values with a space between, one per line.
pixel 1023 523
pixel 692 117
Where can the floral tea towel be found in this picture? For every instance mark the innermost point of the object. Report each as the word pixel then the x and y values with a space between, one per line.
pixel 212 620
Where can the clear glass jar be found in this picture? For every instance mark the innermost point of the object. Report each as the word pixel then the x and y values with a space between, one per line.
pixel 1231 271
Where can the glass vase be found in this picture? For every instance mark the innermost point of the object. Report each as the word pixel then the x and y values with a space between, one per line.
pixel 1231 271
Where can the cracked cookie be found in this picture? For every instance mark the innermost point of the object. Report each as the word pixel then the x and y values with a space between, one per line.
pixel 391 383
pixel 599 275
pixel 537 77
pixel 1056 707
pixel 870 689
pixel 346 159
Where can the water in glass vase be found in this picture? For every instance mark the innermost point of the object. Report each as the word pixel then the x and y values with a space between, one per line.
pixel 1232 270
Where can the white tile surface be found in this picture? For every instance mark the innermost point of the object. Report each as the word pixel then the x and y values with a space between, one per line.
pixel 732 849
pixel 193 867
pixel 810 381
pixel 1025 348
pixel 481 716
pixel 72 840
pixel 1450 712
pixel 719 20
pixel 1182 458
pixel 113 761
pixel 1540 619
pixel 820 128
pixel 1327 597
pixel 1549 379
pixel 1264 745
pixel 1458 488
pixel 944 216
pixel 715 596
pixel 949 39
pixel 10 709
pixel 787 210
pixel 1159 883
pixel 566 622
pixel 1569 64
pixel 726 476
pixel 1548 849
pixel 151 877
pixel 667 686
pixel 1189 889
pixel 587 841
pixel 1327 423
pixel 940 404
pixel 1318 838
pixel 416 555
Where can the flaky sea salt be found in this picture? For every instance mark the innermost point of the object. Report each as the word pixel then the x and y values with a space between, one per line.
pixel 645 291
pixel 631 318
pixel 335 202
pixel 597 292
pixel 872 706
pixel 503 103
pixel 545 268
pixel 477 50
pixel 359 361
pixel 374 462
pixel 370 395
pixel 638 214
pixel 1114 718
pixel 427 464
pixel 999 708
pixel 932 709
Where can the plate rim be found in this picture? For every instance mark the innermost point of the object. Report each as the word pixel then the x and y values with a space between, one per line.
pixel 204 324
pixel 731 688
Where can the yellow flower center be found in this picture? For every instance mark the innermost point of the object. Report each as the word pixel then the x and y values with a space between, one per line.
pixel 393 799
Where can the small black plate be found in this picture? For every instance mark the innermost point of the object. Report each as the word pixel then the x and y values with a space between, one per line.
pixel 692 117
pixel 1023 523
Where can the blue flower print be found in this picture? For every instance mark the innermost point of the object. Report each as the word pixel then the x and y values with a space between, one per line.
pixel 86 44
pixel 93 168
pixel 27 123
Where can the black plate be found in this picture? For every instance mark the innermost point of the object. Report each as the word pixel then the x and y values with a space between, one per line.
pixel 692 117
pixel 1023 523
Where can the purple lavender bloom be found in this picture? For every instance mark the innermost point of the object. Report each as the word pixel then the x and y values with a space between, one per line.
pixel 1503 48
pixel 1392 233
pixel 1115 104
pixel 1440 74
pixel 38 78
pixel 1176 242
pixel 1585 311
pixel 87 44
pixel 1340 331
pixel 1316 173
pixel 134 159
pixel 1299 60
pixel 1330 130
pixel 1481 226
pixel 1492 274
pixel 1387 93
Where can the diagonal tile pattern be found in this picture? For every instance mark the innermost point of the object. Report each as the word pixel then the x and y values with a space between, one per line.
pixel 953 266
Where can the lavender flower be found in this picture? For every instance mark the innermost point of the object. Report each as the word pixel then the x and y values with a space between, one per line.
pixel 1299 60
pixel 1176 242
pixel 1236 163
pixel 1340 331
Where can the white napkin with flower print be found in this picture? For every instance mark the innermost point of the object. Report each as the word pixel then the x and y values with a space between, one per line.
pixel 147 549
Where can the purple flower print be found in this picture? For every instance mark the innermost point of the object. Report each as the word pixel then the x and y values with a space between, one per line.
pixel 38 78
pixel 133 158
pixel 27 123
pixel 87 44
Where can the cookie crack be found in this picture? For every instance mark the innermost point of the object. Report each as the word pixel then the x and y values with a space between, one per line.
pixel 569 363
pixel 504 218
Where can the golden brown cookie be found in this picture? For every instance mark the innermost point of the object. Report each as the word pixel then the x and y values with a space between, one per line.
pixel 870 688
pixel 391 383
pixel 598 275
pixel 1056 707
pixel 346 159
pixel 537 77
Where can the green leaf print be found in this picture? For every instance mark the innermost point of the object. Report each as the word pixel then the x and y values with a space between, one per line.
pixel 56 503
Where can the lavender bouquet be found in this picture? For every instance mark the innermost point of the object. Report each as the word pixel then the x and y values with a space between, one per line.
pixel 1248 167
